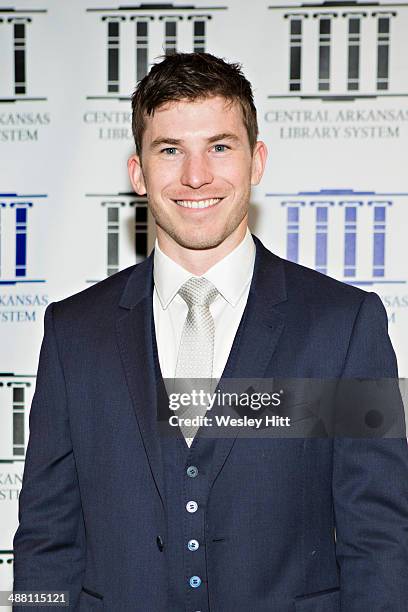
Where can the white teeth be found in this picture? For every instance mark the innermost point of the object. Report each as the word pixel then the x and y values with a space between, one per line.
pixel 199 203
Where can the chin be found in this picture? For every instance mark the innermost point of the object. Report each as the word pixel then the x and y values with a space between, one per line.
pixel 200 241
pixel 199 245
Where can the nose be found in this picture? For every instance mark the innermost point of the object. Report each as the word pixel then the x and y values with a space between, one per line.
pixel 196 172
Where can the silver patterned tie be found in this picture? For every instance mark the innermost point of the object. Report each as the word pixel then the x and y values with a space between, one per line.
pixel 196 352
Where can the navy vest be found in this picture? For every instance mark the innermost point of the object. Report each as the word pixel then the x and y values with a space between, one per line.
pixel 186 475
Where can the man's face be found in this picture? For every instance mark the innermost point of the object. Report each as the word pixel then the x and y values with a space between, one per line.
pixel 197 170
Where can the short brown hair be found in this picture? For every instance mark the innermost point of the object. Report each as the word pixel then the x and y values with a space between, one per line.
pixel 191 76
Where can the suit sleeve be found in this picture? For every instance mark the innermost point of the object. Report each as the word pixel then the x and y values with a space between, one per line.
pixel 370 486
pixel 49 544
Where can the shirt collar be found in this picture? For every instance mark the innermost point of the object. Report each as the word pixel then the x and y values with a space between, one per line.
pixel 230 275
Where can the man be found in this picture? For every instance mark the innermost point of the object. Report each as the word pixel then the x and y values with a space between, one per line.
pixel 128 520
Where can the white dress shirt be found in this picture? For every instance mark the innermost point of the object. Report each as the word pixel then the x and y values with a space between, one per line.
pixel 231 276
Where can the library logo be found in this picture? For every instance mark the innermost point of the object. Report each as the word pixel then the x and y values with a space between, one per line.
pixel 343 233
pixel 353 50
pixel 123 222
pixel 151 30
pixel 15 246
pixel 18 58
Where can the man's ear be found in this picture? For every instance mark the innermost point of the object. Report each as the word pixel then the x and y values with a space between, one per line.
pixel 136 174
pixel 258 162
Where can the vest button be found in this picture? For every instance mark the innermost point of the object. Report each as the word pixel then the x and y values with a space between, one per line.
pixel 192 471
pixel 160 543
pixel 193 545
pixel 195 581
pixel 191 506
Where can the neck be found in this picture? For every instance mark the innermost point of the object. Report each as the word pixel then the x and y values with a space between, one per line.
pixel 198 261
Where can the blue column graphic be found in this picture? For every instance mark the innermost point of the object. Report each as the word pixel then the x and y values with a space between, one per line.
pixel 292 233
pixel 379 241
pixel 321 239
pixel 21 241
pixel 350 241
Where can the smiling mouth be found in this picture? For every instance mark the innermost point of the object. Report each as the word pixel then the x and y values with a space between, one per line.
pixel 201 204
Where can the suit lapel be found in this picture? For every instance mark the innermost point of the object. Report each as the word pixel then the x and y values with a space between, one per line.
pixel 258 333
pixel 252 350
pixel 134 336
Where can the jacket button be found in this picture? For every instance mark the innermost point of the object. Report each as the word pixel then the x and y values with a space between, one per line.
pixel 160 543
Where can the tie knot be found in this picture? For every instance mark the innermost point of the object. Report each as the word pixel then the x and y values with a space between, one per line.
pixel 198 291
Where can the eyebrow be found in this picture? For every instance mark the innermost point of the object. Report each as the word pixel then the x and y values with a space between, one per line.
pixel 157 142
pixel 160 141
pixel 224 136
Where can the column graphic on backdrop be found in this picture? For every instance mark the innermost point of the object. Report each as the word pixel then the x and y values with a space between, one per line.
pixel 15 255
pixel 125 223
pixel 16 393
pixel 153 30
pixel 343 226
pixel 351 50
pixel 16 29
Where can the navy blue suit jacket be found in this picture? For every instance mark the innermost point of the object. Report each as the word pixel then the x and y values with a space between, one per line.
pixel 92 502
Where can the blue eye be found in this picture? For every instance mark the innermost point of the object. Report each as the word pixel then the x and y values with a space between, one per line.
pixel 169 150
pixel 220 148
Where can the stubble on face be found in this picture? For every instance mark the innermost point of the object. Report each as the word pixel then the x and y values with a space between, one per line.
pixel 214 176
pixel 198 238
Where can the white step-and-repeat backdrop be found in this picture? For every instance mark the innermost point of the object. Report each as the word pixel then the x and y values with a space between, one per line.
pixel 331 87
